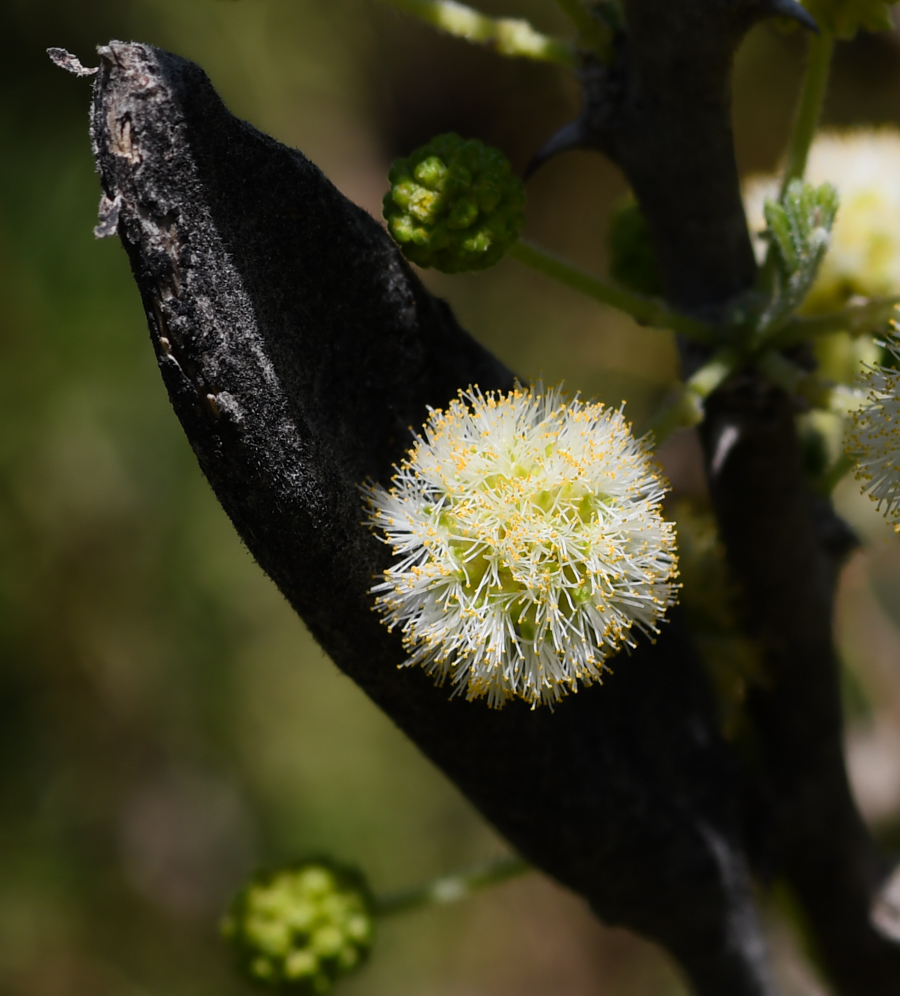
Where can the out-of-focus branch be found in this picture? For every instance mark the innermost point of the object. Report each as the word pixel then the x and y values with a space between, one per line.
pixel 869 316
pixel 508 36
pixel 662 111
pixel 809 110
pixel 298 349
pixel 686 409
pixel 593 32
pixel 784 545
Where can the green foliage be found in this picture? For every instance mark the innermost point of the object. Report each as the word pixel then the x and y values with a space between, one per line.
pixel 844 18
pixel 300 928
pixel 799 228
pixel 632 260
pixel 454 205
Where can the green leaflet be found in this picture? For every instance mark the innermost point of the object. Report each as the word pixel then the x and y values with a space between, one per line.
pixel 799 227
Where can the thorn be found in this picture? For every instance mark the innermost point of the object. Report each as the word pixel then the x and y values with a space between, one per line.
pixel 793 10
pixel 570 136
pixel 65 60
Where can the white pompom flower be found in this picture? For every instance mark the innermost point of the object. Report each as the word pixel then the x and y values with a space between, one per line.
pixel 874 439
pixel 530 544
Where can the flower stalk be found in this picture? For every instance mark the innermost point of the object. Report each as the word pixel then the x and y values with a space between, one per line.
pixel 592 33
pixel 687 410
pixel 777 368
pixel 644 310
pixel 857 319
pixel 451 888
pixel 809 110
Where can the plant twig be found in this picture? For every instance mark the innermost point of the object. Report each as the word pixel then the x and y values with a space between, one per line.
pixel 508 36
pixel 452 888
pixel 855 318
pixel 809 110
pixel 298 348
pixel 812 95
pixel 687 408
pixel 777 368
pixel 591 31
pixel 644 310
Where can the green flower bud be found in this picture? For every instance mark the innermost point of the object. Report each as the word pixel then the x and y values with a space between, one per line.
pixel 454 205
pixel 299 928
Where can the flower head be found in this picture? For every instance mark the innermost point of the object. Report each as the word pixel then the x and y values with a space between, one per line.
pixel 864 253
pixel 298 929
pixel 454 205
pixel 530 544
pixel 874 439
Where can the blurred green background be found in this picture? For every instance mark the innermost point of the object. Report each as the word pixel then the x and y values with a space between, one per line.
pixel 166 723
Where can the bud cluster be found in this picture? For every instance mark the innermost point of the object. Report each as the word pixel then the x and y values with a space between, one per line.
pixel 300 928
pixel 454 205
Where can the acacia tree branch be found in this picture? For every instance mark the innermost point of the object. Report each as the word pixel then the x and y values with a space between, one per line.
pixel 298 349
pixel 663 113
pixel 662 110
pixel 784 544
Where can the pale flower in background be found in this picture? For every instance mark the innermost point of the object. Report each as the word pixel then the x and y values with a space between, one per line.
pixel 530 542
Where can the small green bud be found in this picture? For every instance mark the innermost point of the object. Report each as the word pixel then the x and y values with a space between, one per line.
pixel 300 928
pixel 454 205
pixel 632 260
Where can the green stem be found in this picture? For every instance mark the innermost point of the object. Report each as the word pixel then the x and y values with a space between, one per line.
pixel 687 408
pixel 451 888
pixel 644 310
pixel 593 33
pixel 781 371
pixel 855 318
pixel 809 109
pixel 815 83
pixel 505 35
